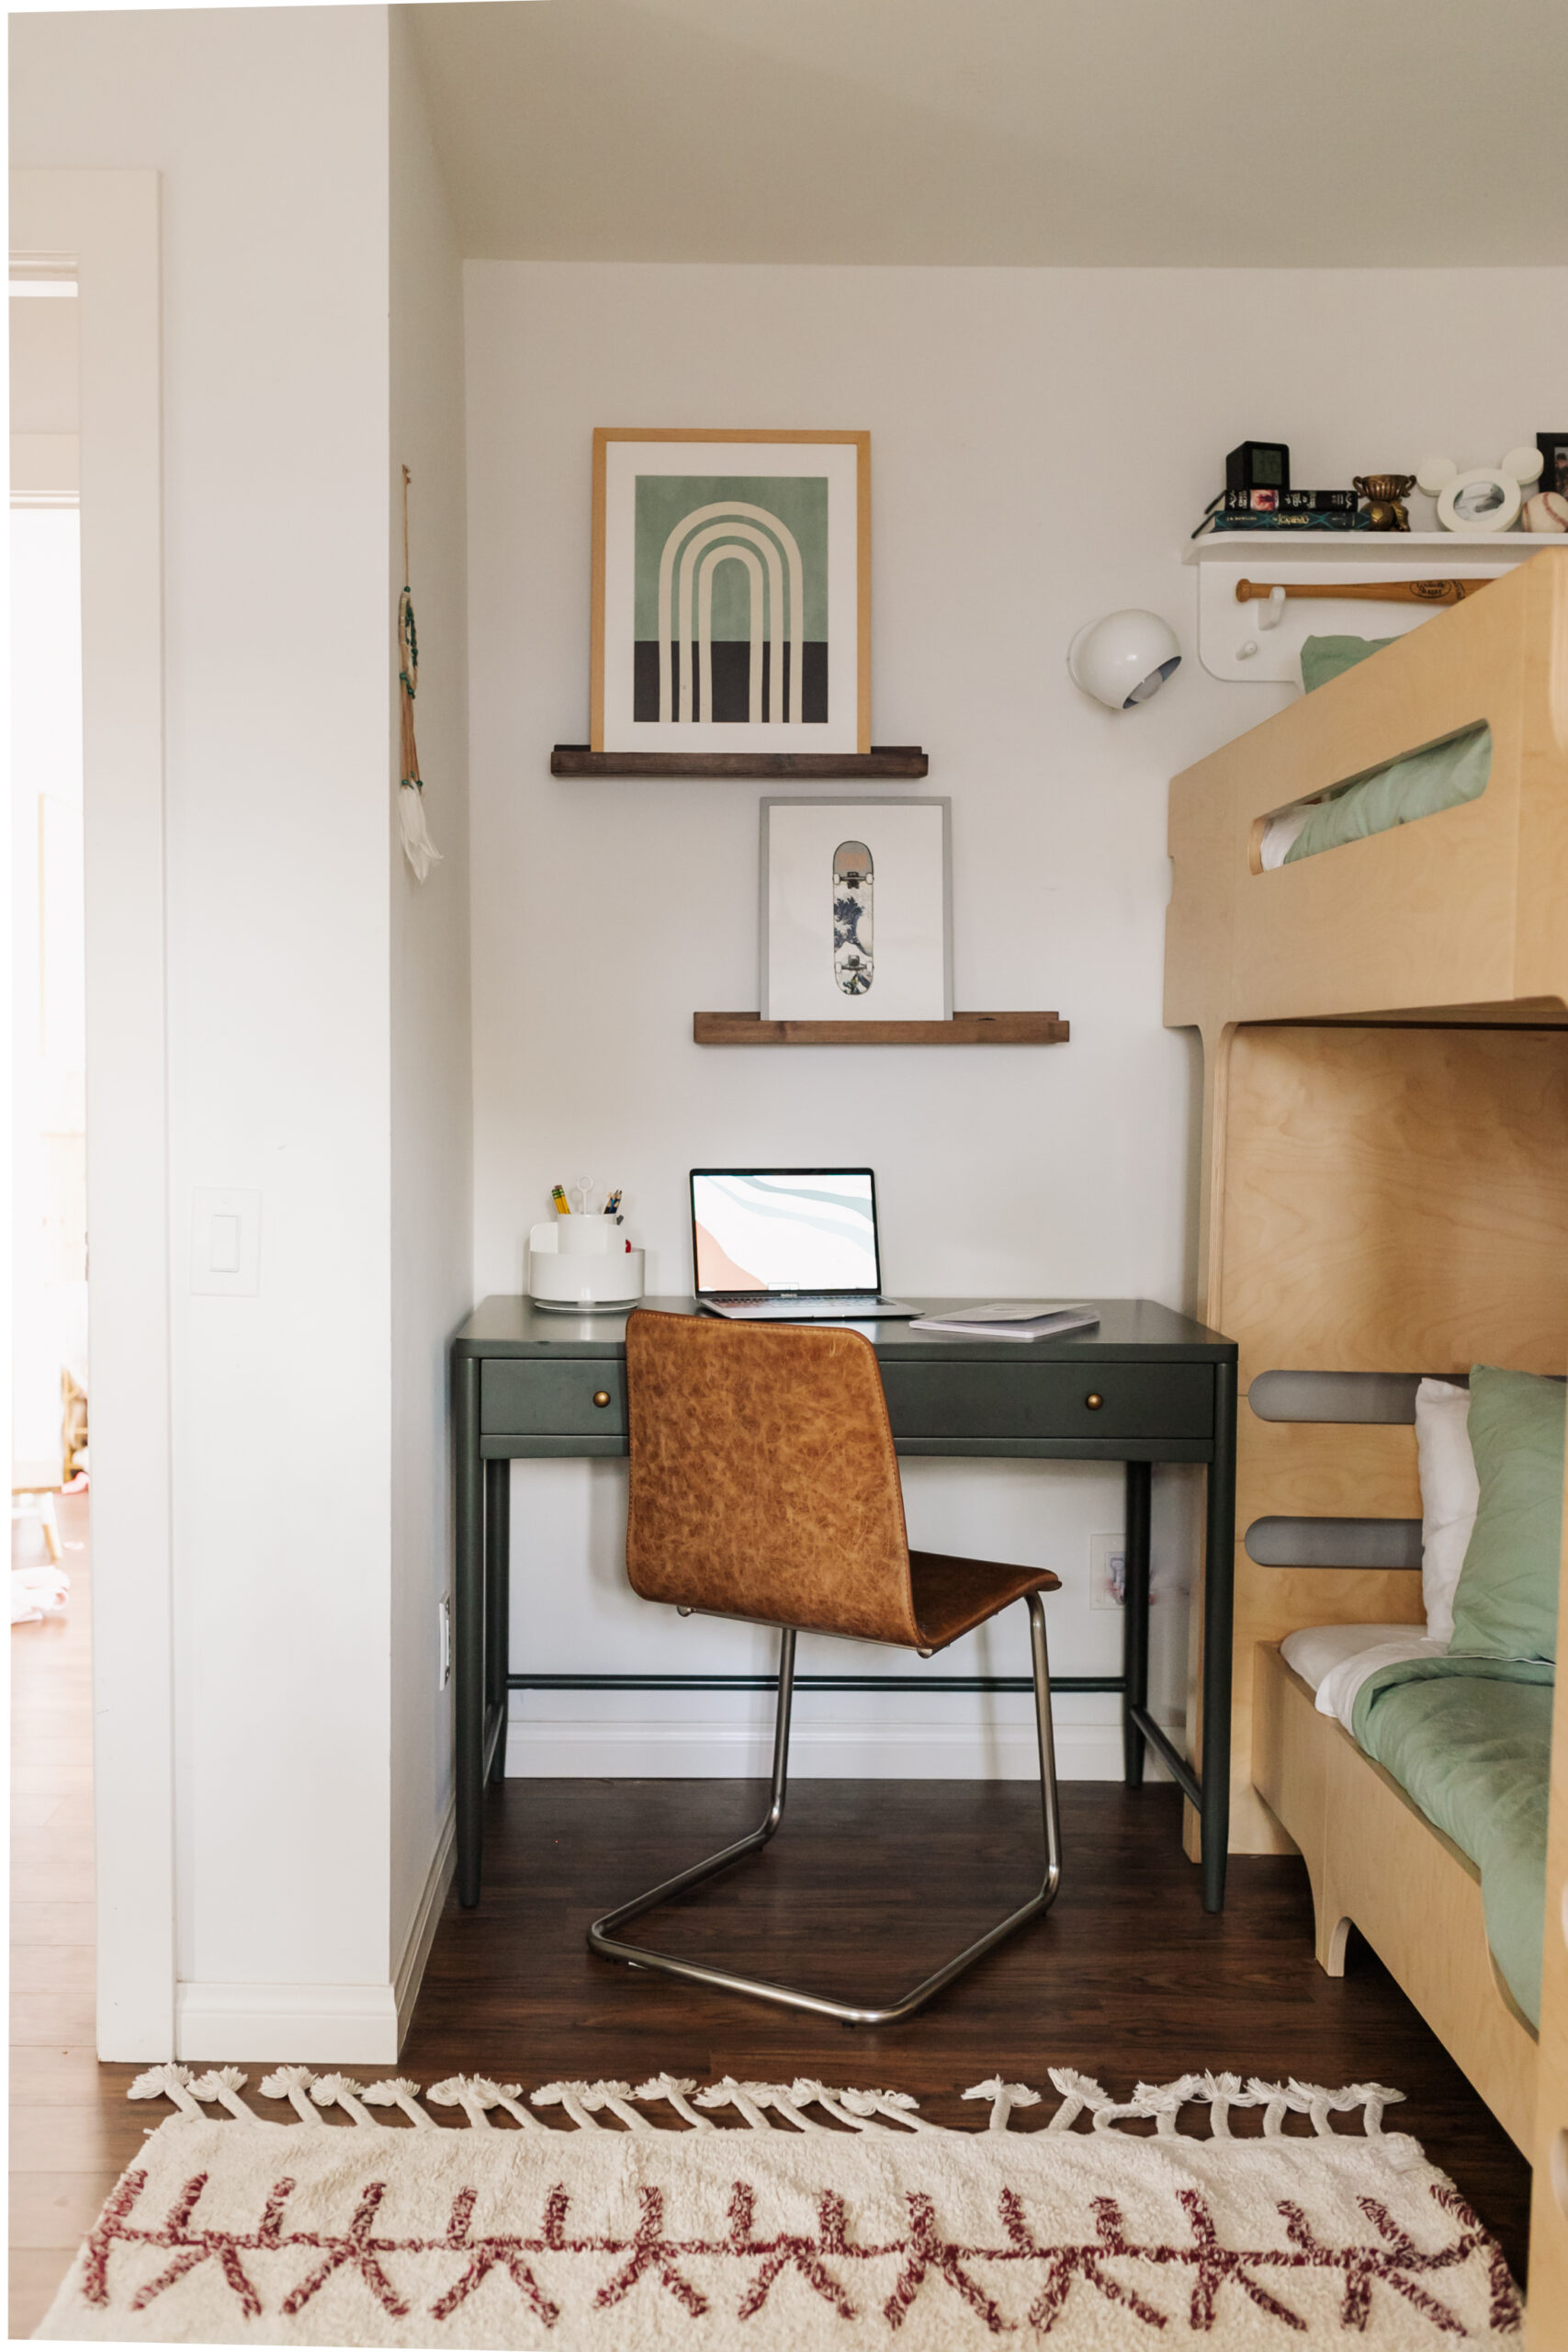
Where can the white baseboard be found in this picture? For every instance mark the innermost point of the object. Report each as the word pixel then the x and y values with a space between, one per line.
pixel 639 1748
pixel 344 2025
pixel 422 1934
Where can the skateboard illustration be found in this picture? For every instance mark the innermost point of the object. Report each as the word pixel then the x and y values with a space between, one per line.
pixel 854 966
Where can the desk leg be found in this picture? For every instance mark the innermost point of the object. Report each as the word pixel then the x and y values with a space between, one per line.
pixel 468 1628
pixel 497 1613
pixel 1135 1622
pixel 1219 1578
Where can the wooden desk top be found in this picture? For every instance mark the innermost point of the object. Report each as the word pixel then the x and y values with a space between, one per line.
pixel 503 1326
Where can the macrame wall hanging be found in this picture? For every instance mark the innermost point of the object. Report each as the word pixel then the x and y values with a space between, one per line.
pixel 418 847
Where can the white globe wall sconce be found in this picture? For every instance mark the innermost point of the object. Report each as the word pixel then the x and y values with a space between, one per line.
pixel 1123 659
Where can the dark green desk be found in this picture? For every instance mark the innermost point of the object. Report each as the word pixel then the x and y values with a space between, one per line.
pixel 1147 1386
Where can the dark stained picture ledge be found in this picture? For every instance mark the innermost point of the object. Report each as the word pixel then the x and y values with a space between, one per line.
pixel 890 762
pixel 963 1029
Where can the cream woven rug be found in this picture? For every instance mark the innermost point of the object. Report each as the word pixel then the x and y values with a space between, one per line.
pixel 820 2217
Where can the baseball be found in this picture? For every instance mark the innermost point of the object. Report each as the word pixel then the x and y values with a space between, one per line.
pixel 1547 511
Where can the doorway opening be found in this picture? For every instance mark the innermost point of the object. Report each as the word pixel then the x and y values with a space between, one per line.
pixel 53 1963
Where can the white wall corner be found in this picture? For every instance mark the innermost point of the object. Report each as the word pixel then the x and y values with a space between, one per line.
pixel 345 2025
pixel 410 1969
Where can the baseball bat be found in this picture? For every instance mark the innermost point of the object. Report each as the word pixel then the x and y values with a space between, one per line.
pixel 1383 592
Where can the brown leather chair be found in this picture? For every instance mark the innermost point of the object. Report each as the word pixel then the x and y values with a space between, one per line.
pixel 764 1486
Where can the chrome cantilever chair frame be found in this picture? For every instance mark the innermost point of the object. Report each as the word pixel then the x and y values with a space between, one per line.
pixel 605 1937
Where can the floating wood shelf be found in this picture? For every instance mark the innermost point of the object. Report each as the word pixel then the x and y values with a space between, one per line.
pixel 882 762
pixel 963 1029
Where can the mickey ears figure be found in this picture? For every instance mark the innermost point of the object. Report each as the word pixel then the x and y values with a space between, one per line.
pixel 1488 498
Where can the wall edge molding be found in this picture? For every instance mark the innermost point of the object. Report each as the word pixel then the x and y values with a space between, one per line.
pixel 351 2025
pixel 410 1974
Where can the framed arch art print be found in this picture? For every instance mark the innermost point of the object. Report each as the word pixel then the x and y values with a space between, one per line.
pixel 732 592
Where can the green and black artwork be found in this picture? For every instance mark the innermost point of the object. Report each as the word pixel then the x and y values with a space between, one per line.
pixel 731 598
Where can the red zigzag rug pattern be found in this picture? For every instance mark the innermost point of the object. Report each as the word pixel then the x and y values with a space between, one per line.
pixel 820 2217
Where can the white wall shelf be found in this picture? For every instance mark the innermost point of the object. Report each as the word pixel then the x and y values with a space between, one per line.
pixel 1226 628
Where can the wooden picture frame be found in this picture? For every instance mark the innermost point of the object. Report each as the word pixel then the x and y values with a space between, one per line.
pixel 797 678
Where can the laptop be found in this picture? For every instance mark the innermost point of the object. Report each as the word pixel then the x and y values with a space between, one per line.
pixel 788 1245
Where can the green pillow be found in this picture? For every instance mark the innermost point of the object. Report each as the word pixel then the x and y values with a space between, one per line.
pixel 1445 775
pixel 1325 657
pixel 1505 1603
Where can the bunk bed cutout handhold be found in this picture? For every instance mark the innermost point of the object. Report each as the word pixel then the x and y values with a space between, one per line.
pixel 1422 783
pixel 1280 1543
pixel 1384 1396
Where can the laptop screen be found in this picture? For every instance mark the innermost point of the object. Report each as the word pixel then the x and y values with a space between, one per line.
pixel 787 1228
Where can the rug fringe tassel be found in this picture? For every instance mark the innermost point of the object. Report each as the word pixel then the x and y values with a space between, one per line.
pixel 758 2104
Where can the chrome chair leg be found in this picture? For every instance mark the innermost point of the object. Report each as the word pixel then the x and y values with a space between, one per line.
pixel 604 1936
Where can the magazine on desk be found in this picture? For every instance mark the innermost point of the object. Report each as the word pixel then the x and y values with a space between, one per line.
pixel 1013 1318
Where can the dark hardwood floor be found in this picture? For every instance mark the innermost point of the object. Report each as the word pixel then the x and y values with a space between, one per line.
pixel 866 1887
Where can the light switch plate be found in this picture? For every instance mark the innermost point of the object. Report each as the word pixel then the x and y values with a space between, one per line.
pixel 225 1241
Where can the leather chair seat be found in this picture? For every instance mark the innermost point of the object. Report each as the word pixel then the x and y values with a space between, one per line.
pixel 953 1596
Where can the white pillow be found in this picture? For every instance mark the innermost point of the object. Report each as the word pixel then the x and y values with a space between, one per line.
pixel 1449 1494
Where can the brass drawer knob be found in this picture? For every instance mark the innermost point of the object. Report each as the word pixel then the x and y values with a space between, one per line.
pixel 1094 1400
pixel 601 1396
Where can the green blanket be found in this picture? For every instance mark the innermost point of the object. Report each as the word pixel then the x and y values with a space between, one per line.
pixel 1470 1739
pixel 1444 777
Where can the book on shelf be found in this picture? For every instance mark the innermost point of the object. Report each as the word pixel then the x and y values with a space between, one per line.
pixel 1013 1318
pixel 1220 521
pixel 1291 502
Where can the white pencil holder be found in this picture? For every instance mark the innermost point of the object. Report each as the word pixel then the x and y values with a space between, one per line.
pixel 583 1265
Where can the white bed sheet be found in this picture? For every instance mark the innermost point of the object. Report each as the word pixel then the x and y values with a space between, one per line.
pixel 1280 835
pixel 1338 1660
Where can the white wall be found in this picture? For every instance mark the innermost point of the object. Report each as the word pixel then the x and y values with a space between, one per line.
pixel 271 132
pixel 431 1074
pixel 1043 444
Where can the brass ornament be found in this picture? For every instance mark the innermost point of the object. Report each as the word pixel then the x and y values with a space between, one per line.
pixel 1385 496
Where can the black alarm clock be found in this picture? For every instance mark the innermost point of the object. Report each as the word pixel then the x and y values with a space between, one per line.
pixel 1259 465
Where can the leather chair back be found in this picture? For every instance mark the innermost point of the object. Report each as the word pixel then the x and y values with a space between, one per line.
pixel 764 1479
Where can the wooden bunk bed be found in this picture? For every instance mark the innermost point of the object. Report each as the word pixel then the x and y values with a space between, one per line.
pixel 1384 1190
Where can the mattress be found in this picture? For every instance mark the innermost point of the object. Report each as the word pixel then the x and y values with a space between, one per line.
pixel 1444 775
pixel 1469 1739
pixel 1335 1660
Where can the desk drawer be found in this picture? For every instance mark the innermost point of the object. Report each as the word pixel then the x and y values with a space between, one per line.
pixel 521 1399
pixel 1050 1400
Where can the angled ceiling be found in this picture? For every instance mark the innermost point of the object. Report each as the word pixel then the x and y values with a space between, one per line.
pixel 1196 132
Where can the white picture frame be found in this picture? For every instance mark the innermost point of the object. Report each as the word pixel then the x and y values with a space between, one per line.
pixel 1484 499
pixel 823 922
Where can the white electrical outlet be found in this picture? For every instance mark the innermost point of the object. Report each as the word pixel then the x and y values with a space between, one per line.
pixel 443 1640
pixel 1107 1571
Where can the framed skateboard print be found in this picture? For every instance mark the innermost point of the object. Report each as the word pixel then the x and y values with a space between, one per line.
pixel 731 591
pixel 855 916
